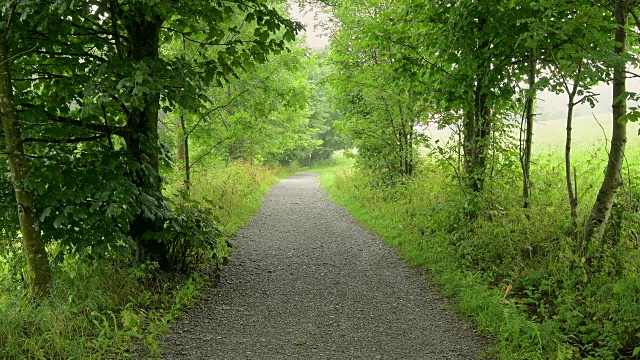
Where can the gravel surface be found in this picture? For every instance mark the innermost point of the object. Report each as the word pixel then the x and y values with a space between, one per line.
pixel 308 282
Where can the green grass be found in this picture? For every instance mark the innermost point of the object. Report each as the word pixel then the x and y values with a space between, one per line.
pixel 472 296
pixel 105 310
pixel 589 134
pixel 520 275
pixel 328 169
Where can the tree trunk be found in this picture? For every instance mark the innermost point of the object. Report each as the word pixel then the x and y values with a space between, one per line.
pixel 528 140
pixel 180 145
pixel 477 131
pixel 468 148
pixel 32 243
pixel 601 211
pixel 184 144
pixel 411 150
pixel 142 134
pixel 573 197
pixel 477 123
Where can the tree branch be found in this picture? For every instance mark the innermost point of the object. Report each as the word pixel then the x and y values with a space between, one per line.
pixel 124 107
pixel 107 129
pixel 193 128
pixel 14 57
pixel 65 141
pixel 193 163
pixel 51 76
pixel 78 55
pixel 5 32
pixel 231 42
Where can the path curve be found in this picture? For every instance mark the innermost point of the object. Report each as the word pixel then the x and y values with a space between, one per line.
pixel 308 282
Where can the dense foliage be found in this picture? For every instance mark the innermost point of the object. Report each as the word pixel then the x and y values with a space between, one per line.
pixel 105 309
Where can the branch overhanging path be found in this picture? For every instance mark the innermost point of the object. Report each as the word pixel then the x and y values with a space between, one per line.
pixel 308 282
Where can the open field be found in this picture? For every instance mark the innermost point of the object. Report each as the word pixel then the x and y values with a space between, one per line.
pixel 590 132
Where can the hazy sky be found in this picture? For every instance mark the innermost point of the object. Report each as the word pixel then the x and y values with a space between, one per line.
pixel 311 17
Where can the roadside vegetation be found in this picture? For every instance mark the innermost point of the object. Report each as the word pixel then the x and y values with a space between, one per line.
pixel 532 226
pixel 519 278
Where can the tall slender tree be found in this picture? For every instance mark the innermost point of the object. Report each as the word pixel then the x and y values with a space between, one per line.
pixel 601 211
pixel 32 243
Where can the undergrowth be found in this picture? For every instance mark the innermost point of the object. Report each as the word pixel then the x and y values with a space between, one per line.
pixel 111 308
pixel 523 275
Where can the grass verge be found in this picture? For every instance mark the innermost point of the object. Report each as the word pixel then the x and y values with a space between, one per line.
pixel 102 310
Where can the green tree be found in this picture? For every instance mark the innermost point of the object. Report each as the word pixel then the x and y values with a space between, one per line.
pixel 262 115
pixel 95 88
pixel 573 58
pixel 379 107
pixel 324 115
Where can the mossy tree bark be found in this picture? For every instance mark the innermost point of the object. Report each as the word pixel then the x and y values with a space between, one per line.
pixel 32 243
pixel 597 222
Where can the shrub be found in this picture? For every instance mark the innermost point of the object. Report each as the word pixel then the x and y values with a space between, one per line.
pixel 193 236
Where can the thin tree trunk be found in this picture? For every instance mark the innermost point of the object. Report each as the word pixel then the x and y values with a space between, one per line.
pixel 477 131
pixel 528 141
pixel 32 243
pixel 185 136
pixel 411 150
pixel 180 145
pixel 468 147
pixel 572 190
pixel 573 200
pixel 573 197
pixel 477 124
pixel 601 211
pixel 185 152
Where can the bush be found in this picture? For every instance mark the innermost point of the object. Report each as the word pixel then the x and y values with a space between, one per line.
pixel 193 236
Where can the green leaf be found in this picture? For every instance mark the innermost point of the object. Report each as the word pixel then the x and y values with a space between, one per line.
pixel 60 219
pixel 45 213
pixel 90 109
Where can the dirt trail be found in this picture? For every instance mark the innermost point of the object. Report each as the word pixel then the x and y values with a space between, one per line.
pixel 308 282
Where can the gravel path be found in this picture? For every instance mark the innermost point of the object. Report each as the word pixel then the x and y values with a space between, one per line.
pixel 308 282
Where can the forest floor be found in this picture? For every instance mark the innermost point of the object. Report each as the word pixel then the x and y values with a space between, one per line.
pixel 306 281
